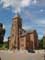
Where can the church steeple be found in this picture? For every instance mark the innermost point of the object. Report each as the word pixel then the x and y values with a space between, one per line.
pixel 17 16
pixel 16 26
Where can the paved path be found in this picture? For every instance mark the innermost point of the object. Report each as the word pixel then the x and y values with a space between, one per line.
pixel 6 55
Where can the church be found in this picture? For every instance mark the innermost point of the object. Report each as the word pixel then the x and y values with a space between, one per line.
pixel 21 39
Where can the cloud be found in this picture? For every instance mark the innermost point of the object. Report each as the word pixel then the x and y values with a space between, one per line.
pixel 6 3
pixel 3 26
pixel 40 22
pixel 40 36
pixel 41 10
pixel 42 2
pixel 28 27
pixel 38 2
pixel 34 1
pixel 16 4
pixel 5 39
pixel 25 3
pixel 29 15
pixel 36 21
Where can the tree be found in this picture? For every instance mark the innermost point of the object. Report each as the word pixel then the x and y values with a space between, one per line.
pixel 2 33
pixel 42 43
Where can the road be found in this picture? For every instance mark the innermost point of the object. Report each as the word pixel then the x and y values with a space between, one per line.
pixel 9 55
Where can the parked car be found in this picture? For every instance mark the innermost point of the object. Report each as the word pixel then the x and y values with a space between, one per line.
pixel 31 51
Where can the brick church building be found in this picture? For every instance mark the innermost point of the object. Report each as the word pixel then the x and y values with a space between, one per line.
pixel 21 39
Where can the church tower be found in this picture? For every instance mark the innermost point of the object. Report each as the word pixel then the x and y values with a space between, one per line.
pixel 15 32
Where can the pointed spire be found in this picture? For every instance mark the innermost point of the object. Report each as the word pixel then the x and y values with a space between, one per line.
pixel 17 15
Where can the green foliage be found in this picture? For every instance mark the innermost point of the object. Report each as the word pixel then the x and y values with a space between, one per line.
pixel 2 33
pixel 1 45
pixel 42 43
pixel 4 46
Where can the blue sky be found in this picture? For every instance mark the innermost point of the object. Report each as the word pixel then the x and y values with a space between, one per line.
pixel 31 11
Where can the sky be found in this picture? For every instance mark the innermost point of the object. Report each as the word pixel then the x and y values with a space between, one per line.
pixel 31 11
